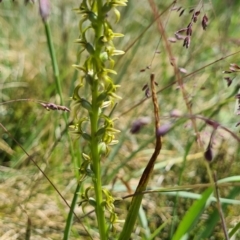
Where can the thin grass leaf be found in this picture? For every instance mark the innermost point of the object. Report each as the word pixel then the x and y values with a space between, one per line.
pixel 158 230
pixel 230 179
pixel 192 215
pixel 214 218
pixel 234 230
pixel 144 222
pixel 70 213
pixel 176 202
pixel 190 195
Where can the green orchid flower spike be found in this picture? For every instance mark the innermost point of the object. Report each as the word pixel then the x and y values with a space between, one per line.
pixel 96 42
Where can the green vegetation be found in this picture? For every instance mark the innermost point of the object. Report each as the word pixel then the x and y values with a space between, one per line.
pixel 61 176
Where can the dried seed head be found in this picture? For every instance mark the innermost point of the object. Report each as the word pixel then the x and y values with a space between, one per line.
pixel 172 40
pixel 146 90
pixel 179 36
pixel 234 65
pixel 145 87
pixel 229 81
pixel 194 16
pixel 138 124
pixel 189 25
pixel 194 19
pixel 63 108
pixel 186 42
pixel 204 22
pixel 191 10
pixel 182 30
pixel 52 106
pixel 147 93
pixel 189 30
pixel 179 9
pixel 181 13
pixel 196 13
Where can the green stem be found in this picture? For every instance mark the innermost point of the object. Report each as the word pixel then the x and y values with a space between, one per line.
pixel 94 118
pixel 97 182
pixel 54 60
pixel 98 30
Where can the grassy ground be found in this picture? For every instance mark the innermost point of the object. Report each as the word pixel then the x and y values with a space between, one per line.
pixel 27 200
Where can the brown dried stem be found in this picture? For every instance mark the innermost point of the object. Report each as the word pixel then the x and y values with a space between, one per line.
pixel 149 168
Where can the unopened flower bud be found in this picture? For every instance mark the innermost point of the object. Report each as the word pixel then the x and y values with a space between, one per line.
pixel 175 113
pixel 44 9
pixel 164 129
pixel 208 153
pixel 102 148
pixel 138 124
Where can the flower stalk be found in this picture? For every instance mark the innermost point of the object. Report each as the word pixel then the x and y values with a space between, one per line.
pixel 96 127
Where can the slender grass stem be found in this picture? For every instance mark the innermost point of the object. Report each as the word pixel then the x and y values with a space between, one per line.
pixel 54 60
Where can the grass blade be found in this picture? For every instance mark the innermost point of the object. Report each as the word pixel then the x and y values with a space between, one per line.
pixel 214 218
pixel 70 213
pixel 234 230
pixel 192 215
pixel 144 222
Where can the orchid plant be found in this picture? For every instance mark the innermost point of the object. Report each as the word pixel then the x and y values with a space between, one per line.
pixel 96 127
